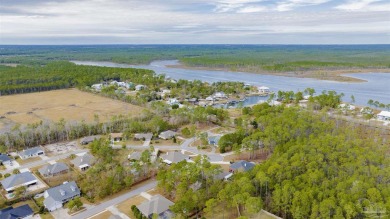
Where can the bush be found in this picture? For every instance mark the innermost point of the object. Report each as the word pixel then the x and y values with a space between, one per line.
pixel 16 171
pixel 7 175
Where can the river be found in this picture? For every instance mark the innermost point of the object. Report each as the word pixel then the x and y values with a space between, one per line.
pixel 377 86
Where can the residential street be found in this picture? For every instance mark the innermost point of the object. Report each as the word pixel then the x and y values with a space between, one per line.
pixel 101 207
pixel 41 162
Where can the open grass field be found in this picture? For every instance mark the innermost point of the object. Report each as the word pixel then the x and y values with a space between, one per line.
pixel 70 104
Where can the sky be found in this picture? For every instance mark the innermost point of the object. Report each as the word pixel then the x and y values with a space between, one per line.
pixel 194 22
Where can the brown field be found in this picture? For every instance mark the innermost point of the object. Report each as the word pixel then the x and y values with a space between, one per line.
pixel 70 104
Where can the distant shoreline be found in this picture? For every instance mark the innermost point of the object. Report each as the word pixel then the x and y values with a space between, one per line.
pixel 328 75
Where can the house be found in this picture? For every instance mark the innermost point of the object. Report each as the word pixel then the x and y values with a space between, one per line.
pixel 97 87
pixel 157 205
pixel 223 176
pixel 367 110
pixel 241 166
pixel 17 180
pixel 140 87
pixel 219 95
pixel 345 106
pixel 21 212
pixel 57 196
pixel 31 152
pixel 83 162
pixel 116 137
pixel 193 101
pixel 384 115
pixel 209 98
pixel 134 156
pixel 174 157
pixel 167 135
pixel 89 139
pixel 143 136
pixel 173 101
pixel 5 160
pixel 213 140
pixel 53 169
pixel 263 89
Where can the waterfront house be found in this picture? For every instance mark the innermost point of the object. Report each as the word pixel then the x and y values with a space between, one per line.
pixel 384 116
pixel 57 196
pixel 31 152
pixel 157 205
pixel 21 212
pixel 140 87
pixel 174 157
pixel 263 89
pixel 167 135
pixel 5 160
pixel 17 180
pixel 347 107
pixel 241 166
pixel 83 162
pixel 53 169
pixel 220 95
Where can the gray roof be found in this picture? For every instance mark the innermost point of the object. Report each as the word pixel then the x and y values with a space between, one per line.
pixel 61 193
pixel 221 175
pixel 242 164
pixel 167 134
pixel 147 136
pixel 4 157
pixel 53 169
pixel 135 155
pixel 30 151
pixel 89 139
pixel 86 159
pixel 157 205
pixel 17 179
pixel 175 157
pixel 214 138
pixel 16 213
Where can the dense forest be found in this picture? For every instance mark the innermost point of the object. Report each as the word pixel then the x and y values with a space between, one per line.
pixel 319 167
pixel 251 58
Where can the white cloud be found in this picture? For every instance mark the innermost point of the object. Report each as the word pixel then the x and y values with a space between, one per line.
pixel 365 5
pixel 292 4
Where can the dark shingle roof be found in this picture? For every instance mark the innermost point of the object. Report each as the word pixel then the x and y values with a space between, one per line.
pixel 53 169
pixel 242 164
pixel 15 213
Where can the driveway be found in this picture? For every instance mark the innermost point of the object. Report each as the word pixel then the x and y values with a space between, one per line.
pixel 101 207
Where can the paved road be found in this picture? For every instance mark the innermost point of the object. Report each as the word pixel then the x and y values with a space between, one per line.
pixel 101 207
pixel 41 162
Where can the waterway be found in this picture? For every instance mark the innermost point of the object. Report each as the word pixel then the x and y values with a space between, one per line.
pixel 377 86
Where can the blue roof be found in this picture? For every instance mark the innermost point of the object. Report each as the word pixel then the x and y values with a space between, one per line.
pixel 15 213
pixel 4 157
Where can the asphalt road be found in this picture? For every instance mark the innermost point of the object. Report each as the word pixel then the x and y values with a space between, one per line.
pixel 101 207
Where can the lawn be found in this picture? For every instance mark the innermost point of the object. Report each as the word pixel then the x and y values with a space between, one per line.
pixel 70 104
pixel 29 160
pixel 59 179
pixel 125 207
pixel 46 216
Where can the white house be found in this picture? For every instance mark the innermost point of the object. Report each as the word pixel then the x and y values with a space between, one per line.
pixel 173 101
pixel 31 152
pixel 346 106
pixel 263 89
pixel 97 87
pixel 384 115
pixel 209 98
pixel 57 196
pixel 140 87
pixel 220 95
